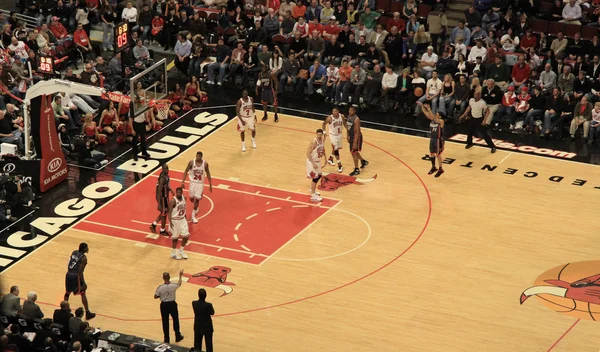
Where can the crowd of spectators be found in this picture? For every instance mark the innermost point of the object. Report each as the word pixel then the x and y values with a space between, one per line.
pixel 27 328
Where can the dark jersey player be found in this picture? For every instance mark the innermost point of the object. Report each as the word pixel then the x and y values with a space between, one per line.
pixel 355 140
pixel 74 282
pixel 266 86
pixel 162 198
pixel 436 139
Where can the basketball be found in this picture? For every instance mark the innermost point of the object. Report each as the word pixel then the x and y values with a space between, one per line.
pixel 418 92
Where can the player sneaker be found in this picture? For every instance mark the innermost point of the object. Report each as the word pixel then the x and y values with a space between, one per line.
pixel 264 118
pixel 253 144
pixel 164 233
pixel 315 198
pixel 153 228
pixel 433 170
pixel 330 161
pixel 243 147
pixel 356 172
pixel 194 220
pixel 340 168
pixel 182 254
pixel 276 118
pixel 90 315
pixel 439 173
pixel 175 255
pixel 364 164
pixel 316 192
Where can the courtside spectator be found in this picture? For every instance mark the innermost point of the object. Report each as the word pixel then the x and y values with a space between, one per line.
pixel 11 303
pixel 30 309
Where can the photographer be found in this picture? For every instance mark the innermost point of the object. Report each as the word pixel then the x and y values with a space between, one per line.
pixel 65 140
pixel 90 157
pixel 20 192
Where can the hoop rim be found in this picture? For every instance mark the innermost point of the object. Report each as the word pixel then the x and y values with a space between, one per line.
pixel 162 102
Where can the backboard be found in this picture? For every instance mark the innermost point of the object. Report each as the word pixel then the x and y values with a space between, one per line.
pixel 150 84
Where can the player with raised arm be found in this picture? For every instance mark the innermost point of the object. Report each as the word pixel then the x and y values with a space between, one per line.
pixel 436 141
pixel 316 150
pixel 267 83
pixel 355 140
pixel 162 198
pixel 336 122
pixel 246 118
pixel 74 281
pixel 178 224
pixel 197 169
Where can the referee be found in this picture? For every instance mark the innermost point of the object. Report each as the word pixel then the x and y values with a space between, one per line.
pixel 138 128
pixel 168 306
pixel 476 123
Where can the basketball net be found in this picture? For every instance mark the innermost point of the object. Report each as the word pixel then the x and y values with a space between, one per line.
pixel 162 108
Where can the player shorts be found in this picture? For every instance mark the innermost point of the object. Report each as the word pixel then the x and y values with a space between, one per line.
pixel 163 205
pixel 336 141
pixel 249 124
pixel 196 190
pixel 267 96
pixel 359 144
pixel 179 228
pixel 436 146
pixel 73 284
pixel 311 171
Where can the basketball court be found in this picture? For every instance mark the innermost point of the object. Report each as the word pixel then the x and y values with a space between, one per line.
pixel 395 260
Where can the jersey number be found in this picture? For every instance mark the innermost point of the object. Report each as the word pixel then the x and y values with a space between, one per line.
pixel 198 177
pixel 72 264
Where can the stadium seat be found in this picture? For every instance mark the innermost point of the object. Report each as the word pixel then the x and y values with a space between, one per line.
pixel 555 27
pixel 423 11
pixel 220 31
pixel 396 6
pixel 539 26
pixel 202 14
pixel 382 6
pixel 572 29
pixel 546 8
pixel 588 32
pixel 279 40
pixel 383 20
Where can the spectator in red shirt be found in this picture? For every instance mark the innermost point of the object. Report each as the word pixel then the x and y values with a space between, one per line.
pixel 157 28
pixel 273 4
pixel 331 29
pixel 83 42
pixel 315 26
pixel 520 73
pixel 397 22
pixel 528 41
pixel 57 28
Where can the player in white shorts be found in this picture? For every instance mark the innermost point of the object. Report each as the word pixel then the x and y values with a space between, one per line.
pixel 246 118
pixel 178 224
pixel 336 123
pixel 197 168
pixel 316 150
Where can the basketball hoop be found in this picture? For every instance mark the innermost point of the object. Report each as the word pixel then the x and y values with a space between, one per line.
pixel 162 108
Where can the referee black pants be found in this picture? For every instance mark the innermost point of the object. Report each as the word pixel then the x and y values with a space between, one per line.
pixel 475 127
pixel 166 309
pixel 140 132
pixel 200 334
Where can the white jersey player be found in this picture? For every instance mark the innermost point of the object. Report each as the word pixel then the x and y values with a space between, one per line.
pixel 197 169
pixel 316 150
pixel 336 123
pixel 178 224
pixel 246 118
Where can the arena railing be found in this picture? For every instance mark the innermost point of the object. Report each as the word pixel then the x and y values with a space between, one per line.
pixel 29 21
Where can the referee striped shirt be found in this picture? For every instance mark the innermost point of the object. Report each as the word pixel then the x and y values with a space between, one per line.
pixel 166 292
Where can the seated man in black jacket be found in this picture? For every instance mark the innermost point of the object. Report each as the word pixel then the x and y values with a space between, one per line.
pixel 582 86
pixel 17 339
pixel 39 342
pixel 61 316
pixel 83 337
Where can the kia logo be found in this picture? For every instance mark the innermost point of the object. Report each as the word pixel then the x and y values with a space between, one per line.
pixel 8 168
pixel 54 165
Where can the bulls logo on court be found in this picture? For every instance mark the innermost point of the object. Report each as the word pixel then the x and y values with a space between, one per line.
pixel 331 182
pixel 572 289
pixel 215 277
